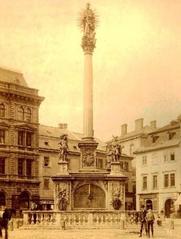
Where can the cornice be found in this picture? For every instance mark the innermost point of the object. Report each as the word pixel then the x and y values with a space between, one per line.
pixel 17 95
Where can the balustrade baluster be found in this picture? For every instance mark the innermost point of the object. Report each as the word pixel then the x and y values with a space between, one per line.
pixel 32 218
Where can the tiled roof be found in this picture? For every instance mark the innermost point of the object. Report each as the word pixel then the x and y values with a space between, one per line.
pixel 52 135
pixel 172 125
pixel 161 145
pixel 132 134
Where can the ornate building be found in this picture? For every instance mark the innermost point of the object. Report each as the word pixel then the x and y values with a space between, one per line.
pixel 19 131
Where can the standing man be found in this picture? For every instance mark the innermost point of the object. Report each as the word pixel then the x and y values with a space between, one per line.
pixel 143 220
pixel 150 220
pixel 6 219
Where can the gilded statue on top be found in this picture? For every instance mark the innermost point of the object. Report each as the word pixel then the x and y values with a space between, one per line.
pixel 88 24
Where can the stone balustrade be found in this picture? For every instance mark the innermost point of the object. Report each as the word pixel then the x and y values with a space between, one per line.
pixel 75 219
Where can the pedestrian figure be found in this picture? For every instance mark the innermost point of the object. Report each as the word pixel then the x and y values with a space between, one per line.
pixel 143 220
pixel 150 218
pixel 4 222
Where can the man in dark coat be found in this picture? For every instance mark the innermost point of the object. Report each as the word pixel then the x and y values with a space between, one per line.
pixel 143 221
pixel 5 219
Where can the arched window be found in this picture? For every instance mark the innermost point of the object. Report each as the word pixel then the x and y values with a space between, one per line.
pixel 21 113
pixel 2 110
pixel 28 115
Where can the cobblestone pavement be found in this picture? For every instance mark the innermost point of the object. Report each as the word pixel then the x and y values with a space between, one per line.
pixel 131 233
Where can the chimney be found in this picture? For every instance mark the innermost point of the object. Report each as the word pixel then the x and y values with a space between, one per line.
pixel 153 124
pixel 63 126
pixel 139 124
pixel 124 129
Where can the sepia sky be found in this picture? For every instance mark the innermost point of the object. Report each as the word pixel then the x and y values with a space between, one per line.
pixel 136 62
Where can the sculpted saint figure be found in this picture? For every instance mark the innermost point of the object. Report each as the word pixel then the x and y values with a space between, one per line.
pixel 63 147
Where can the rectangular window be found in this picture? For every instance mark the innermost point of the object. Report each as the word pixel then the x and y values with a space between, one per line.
pixel 171 135
pixel 172 156
pixel 144 182
pixel 154 138
pixel 99 163
pixel 144 160
pixel 165 158
pixel 155 182
pixel 46 183
pixel 172 179
pixel 125 166
pixel 21 138
pixel 28 168
pixel 126 187
pixel 20 167
pixel 2 136
pixel 166 180
pixel 2 165
pixel 28 139
pixel 46 162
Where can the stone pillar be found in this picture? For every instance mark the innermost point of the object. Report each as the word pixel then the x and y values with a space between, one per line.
pixel 88 145
pixel 88 25
pixel 88 96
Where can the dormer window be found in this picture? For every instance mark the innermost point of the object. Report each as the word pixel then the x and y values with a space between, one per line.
pixel 154 138
pixel 171 135
pixel 2 110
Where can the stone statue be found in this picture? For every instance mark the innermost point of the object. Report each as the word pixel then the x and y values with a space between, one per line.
pixel 114 151
pixel 63 148
pixel 109 154
pixel 63 201
pixel 88 23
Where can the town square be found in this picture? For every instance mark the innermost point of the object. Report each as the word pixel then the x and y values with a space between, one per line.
pixel 90 119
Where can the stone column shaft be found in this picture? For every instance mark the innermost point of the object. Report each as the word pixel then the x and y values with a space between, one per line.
pixel 88 97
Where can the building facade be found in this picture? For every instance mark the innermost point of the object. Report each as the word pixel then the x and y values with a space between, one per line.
pixel 158 168
pixel 19 133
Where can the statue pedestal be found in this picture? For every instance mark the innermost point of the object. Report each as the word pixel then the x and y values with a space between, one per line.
pixel 63 167
pixel 116 168
pixel 88 154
